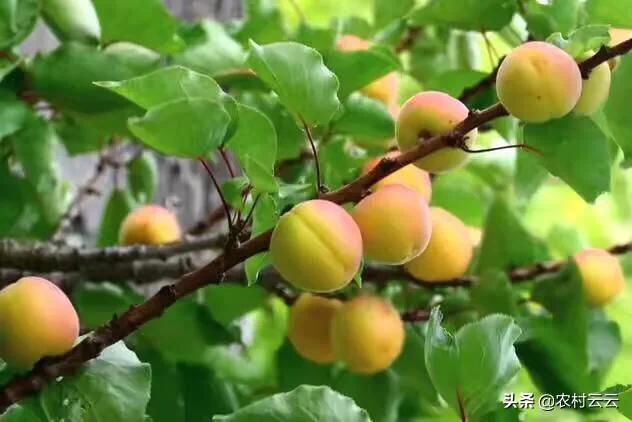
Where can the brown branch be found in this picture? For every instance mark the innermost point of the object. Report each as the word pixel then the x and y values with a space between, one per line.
pixel 120 327
pixel 408 40
pixel 482 85
pixel 220 193
pixel 214 217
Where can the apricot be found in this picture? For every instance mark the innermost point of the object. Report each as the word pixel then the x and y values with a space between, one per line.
pixel 36 320
pixel 368 334
pixel 383 89
pixel 410 176
pixel 595 90
pixel 316 246
pixel 449 252
pixel 309 328
pixel 617 36
pixel 538 82
pixel 601 274
pixel 428 114
pixel 394 223
pixel 150 225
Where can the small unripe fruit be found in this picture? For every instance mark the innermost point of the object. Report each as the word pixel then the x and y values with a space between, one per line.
pixel 317 246
pixel 309 329
pixel 538 82
pixel 383 89
pixel 449 252
pixel 368 334
pixel 617 36
pixel 428 114
pixel 410 176
pixel 601 274
pixel 150 225
pixel 395 224
pixel 595 90
pixel 36 320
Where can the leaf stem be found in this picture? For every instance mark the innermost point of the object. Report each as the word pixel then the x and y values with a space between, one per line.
pixel 312 144
pixel 219 192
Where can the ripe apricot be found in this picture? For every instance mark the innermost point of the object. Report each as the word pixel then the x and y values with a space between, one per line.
pixel 368 334
pixel 395 224
pixel 317 246
pixel 310 327
pixel 428 114
pixel 150 225
pixel 601 274
pixel 410 176
pixel 538 82
pixel 449 252
pixel 36 320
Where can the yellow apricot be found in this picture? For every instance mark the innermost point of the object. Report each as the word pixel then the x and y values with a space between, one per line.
pixel 317 246
pixel 538 82
pixel 476 235
pixel 410 176
pixel 309 329
pixel 383 89
pixel 449 252
pixel 595 90
pixel 368 334
pixel 617 36
pixel 150 225
pixel 428 114
pixel 394 223
pixel 601 274
pixel 36 320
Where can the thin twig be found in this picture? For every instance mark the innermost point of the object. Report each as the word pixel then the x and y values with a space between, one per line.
pixel 229 167
pixel 517 146
pixel 312 144
pixel 219 192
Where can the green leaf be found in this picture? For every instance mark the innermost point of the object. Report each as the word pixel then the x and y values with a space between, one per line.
pixel 265 216
pixel 13 113
pixel 615 109
pixel 616 13
pixel 625 403
pixel 300 79
pixel 493 294
pixel 264 22
pixel 165 85
pixel 167 399
pixel 210 49
pixel 17 20
pixel 365 120
pixel 65 77
pixel 529 175
pixel 142 175
pixel 96 304
pixel 144 22
pixel 7 65
pixel 464 195
pixel 378 394
pixel 230 301
pixel 72 20
pixel 115 384
pixel 204 393
pixel 357 69
pixel 454 82
pixel 544 18
pixel 185 332
pixel 386 11
pixel 472 367
pixel 304 404
pixel 582 40
pixel 185 128
pixel 255 145
pixel 294 370
pixel 119 204
pixel 475 15
pixel 506 243
pixel 575 150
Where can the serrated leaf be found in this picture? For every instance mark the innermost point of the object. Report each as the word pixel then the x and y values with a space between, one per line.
pixel 357 69
pixel 582 40
pixel 185 128
pixel 471 368
pixel 615 109
pixel 473 15
pixel 544 18
pixel 165 85
pixel 304 404
pixel 17 20
pixel 297 74
pixel 575 150
pixel 144 22
pixel 255 145
pixel 142 176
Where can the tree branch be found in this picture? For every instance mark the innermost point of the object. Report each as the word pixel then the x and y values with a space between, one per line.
pixel 120 327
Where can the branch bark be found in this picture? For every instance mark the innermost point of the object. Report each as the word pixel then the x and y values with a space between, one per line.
pixel 120 327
